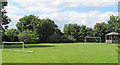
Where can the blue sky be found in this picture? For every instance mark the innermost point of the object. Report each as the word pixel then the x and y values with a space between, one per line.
pixel 63 12
pixel 77 9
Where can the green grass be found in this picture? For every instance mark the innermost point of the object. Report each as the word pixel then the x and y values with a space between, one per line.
pixel 64 53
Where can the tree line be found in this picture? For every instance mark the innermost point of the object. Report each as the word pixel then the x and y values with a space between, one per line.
pixel 32 29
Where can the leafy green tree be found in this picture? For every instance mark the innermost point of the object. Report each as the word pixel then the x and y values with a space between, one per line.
pixel 83 32
pixel 113 24
pixel 73 30
pixel 27 22
pixel 42 28
pixel 101 30
pixel 78 32
pixel 45 28
pixel 90 32
pixel 5 19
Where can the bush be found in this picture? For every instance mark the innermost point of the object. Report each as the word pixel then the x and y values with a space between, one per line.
pixel 23 37
pixel 11 35
pixel 33 35
pixel 67 39
pixel 4 37
pixel 55 38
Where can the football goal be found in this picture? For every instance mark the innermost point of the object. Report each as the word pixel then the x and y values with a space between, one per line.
pixel 23 45
pixel 92 39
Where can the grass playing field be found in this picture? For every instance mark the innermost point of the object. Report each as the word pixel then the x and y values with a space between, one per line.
pixel 64 53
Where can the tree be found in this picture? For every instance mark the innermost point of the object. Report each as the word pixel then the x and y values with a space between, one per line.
pixel 113 24
pixel 90 32
pixel 43 28
pixel 101 30
pixel 73 30
pixel 83 32
pixel 27 22
pixel 78 32
pixel 5 19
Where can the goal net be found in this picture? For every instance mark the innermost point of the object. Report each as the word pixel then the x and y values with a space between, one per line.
pixel 92 39
pixel 15 46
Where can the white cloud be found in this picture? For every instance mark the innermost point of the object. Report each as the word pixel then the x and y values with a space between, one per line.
pixel 14 21
pixel 81 18
pixel 13 9
pixel 86 18
pixel 55 5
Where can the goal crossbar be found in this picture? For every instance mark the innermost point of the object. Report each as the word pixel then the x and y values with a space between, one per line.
pixel 13 43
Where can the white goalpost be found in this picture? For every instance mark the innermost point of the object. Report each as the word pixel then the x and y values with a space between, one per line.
pixel 23 45
pixel 85 39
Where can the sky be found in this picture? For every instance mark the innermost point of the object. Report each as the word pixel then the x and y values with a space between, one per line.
pixel 81 12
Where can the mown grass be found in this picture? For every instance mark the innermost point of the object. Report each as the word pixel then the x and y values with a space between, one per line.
pixel 63 53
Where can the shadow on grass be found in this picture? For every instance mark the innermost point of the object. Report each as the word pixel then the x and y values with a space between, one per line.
pixel 27 46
